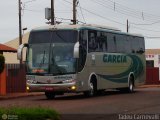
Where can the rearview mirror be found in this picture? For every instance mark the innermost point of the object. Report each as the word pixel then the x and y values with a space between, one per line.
pixel 19 51
pixel 76 50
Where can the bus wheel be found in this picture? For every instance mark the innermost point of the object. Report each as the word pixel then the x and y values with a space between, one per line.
pixel 131 85
pixel 92 91
pixel 50 95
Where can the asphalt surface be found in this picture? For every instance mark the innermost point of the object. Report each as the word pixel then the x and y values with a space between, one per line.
pixel 109 105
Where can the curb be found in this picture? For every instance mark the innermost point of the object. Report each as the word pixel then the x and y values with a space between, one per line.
pixel 149 86
pixel 18 95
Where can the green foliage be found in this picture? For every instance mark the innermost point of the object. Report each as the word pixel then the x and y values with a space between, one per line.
pixel 2 63
pixel 36 113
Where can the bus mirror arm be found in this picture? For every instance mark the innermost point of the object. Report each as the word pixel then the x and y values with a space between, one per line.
pixel 76 50
pixel 19 51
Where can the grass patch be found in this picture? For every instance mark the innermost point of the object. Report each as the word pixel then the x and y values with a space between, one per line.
pixel 36 113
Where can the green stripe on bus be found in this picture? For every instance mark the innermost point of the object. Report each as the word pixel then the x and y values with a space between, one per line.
pixel 136 67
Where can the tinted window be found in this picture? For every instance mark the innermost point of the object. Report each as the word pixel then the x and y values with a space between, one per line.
pixel 92 41
pixel 120 43
pixel 40 37
pixel 111 42
pixel 141 43
pixel 99 41
pixel 61 36
pixel 102 41
pixel 137 44
pixel 83 49
pixel 128 48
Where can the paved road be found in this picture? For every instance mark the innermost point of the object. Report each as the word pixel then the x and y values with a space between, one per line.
pixel 143 101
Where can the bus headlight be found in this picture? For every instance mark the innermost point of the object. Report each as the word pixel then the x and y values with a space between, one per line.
pixel 73 87
pixel 27 88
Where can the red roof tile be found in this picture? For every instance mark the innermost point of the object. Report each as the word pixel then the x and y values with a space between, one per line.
pixel 4 48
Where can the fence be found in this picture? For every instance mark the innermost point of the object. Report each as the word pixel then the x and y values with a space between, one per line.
pixel 152 75
pixel 15 78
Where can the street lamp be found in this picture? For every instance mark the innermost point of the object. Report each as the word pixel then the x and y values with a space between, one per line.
pixel 25 28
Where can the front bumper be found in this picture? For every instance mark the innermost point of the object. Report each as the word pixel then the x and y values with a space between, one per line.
pixel 65 87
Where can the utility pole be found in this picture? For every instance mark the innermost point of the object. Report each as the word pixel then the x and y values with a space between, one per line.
pixel 20 25
pixel 52 12
pixel 127 26
pixel 74 11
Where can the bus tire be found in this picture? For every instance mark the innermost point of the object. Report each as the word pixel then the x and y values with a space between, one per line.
pixel 130 88
pixel 50 95
pixel 131 84
pixel 93 89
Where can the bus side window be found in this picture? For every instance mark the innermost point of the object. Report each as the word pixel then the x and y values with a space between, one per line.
pixel 102 41
pixel 120 43
pixel 134 44
pixel 141 45
pixel 127 44
pixel 98 41
pixel 115 43
pixel 92 45
pixel 82 49
pixel 111 43
pixel 83 39
pixel 105 49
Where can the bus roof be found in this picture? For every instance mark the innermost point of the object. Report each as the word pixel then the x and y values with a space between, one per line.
pixel 84 26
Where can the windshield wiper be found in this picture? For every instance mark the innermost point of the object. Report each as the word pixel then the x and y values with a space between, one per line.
pixel 54 67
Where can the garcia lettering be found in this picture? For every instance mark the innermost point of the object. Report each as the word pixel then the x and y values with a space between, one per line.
pixel 114 58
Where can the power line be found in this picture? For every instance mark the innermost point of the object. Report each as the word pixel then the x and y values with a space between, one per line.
pixel 139 28
pixel 40 11
pixel 81 12
pixel 108 4
pixel 115 9
pixel 156 22
pixel 31 10
pixel 144 15
pixel 113 20
pixel 29 1
pixel 97 14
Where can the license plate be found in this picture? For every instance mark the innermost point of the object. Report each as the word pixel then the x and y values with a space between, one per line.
pixel 49 88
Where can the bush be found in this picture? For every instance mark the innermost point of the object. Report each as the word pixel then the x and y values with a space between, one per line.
pixel 36 113
pixel 2 63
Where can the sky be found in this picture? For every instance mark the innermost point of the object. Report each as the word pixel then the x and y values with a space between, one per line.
pixel 143 16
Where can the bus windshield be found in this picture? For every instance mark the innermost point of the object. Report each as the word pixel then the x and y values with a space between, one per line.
pixel 53 54
pixel 38 58
pixel 62 61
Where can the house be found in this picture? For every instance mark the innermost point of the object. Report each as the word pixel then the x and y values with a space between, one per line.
pixel 5 48
pixel 153 65
pixel 12 58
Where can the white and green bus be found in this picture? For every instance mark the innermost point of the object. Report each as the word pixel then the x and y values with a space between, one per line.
pixel 83 58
